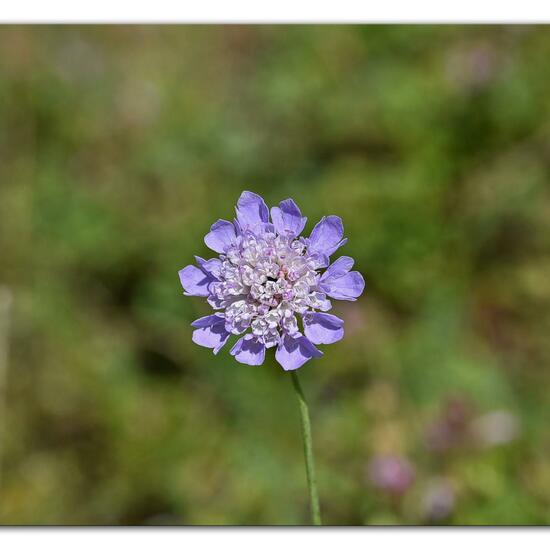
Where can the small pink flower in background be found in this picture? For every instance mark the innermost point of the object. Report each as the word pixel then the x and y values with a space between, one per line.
pixel 392 473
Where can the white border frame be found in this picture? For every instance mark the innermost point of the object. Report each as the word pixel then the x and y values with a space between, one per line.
pixel 275 539
pixel 281 11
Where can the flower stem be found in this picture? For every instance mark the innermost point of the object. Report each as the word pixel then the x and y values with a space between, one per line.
pixel 308 451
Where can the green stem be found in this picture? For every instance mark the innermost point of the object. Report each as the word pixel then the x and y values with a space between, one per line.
pixel 308 451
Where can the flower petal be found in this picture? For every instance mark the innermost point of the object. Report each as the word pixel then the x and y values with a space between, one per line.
pixel 292 353
pixel 262 229
pixel 251 210
pixel 338 268
pixel 326 236
pixel 249 351
pixel 208 321
pixel 194 281
pixel 215 302
pixel 287 218
pixel 221 236
pixel 323 328
pixel 318 260
pixel 211 332
pixel 348 287
pixel 213 266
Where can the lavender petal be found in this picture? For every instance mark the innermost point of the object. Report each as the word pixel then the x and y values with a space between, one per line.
pixel 327 236
pixel 194 281
pixel 287 218
pixel 338 268
pixel 222 235
pixel 213 266
pixel 348 287
pixel 323 328
pixel 292 353
pixel 251 210
pixel 212 334
pixel 248 351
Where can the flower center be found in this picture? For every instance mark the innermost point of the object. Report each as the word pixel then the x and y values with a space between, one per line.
pixel 264 282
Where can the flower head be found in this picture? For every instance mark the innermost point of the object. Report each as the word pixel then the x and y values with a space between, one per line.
pixel 268 282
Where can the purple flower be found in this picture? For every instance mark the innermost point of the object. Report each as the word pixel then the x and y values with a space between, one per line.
pixel 268 280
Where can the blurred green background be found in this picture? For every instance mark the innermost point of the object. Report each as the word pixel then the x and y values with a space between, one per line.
pixel 120 145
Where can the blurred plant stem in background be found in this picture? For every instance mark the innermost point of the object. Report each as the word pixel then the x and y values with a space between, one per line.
pixel 308 451
pixel 5 311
